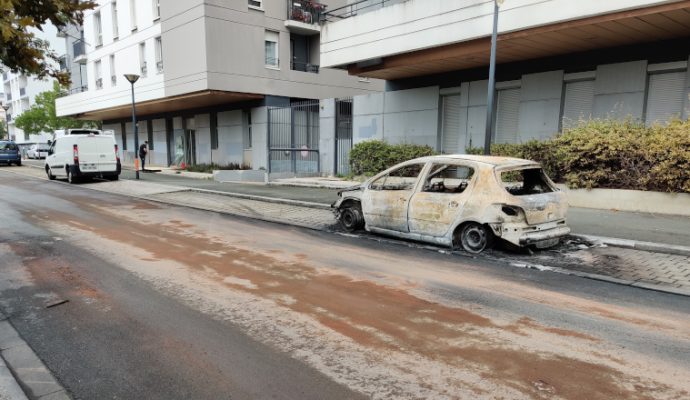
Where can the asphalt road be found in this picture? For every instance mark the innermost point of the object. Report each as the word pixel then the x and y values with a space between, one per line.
pixel 167 302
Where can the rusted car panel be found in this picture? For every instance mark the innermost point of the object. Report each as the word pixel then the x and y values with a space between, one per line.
pixel 435 199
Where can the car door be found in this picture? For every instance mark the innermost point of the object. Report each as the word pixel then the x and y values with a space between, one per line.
pixel 386 199
pixel 51 160
pixel 441 198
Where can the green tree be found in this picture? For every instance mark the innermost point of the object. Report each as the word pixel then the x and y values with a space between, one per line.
pixel 20 49
pixel 41 116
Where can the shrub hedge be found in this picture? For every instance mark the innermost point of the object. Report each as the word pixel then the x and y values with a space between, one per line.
pixel 373 156
pixel 612 154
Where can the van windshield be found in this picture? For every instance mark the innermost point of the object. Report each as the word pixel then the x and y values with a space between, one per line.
pixel 525 182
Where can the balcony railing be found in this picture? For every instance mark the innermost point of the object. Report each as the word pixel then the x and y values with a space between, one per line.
pixel 306 11
pixel 355 8
pixel 304 67
pixel 113 80
pixel 144 69
pixel 78 89
pixel 159 66
pixel 99 83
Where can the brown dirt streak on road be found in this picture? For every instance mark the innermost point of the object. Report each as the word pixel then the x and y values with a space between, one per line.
pixel 388 311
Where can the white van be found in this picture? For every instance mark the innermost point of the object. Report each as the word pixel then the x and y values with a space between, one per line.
pixel 83 153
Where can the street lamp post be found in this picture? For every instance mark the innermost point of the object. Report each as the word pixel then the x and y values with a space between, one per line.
pixel 7 123
pixel 492 82
pixel 132 78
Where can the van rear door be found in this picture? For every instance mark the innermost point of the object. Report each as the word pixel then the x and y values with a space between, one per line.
pixel 96 153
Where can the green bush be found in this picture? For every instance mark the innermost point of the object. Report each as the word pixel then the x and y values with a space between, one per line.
pixel 612 154
pixel 373 156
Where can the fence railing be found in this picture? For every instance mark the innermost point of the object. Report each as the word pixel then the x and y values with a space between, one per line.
pixel 293 139
pixel 304 67
pixel 355 8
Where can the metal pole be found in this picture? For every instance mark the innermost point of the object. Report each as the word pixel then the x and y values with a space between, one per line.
pixel 492 85
pixel 136 135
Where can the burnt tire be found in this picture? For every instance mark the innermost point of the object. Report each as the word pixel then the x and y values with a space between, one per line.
pixel 475 238
pixel 351 218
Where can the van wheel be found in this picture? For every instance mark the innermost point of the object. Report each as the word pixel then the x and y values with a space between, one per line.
pixel 49 172
pixel 70 177
pixel 475 238
pixel 351 218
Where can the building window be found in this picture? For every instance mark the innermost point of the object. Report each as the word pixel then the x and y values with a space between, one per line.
pixel 507 115
pixel 666 94
pixel 113 74
pixel 133 14
pixel 98 73
pixel 578 98
pixel 98 28
pixel 159 54
pixel 142 59
pixel 156 9
pixel 116 31
pixel 256 4
pixel 271 49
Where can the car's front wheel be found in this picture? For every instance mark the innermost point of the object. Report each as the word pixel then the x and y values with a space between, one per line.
pixel 351 217
pixel 475 238
pixel 49 172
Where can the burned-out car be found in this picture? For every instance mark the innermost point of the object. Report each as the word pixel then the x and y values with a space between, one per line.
pixel 463 201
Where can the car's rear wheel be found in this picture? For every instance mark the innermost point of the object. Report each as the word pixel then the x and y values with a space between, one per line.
pixel 70 177
pixel 49 172
pixel 351 217
pixel 475 238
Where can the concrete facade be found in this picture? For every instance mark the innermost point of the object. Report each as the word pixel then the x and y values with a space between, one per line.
pixel 212 78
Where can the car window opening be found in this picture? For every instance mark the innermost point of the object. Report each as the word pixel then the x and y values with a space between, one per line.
pixel 448 179
pixel 526 182
pixel 403 178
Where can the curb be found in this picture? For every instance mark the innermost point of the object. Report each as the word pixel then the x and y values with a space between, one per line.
pixel 275 200
pixel 638 245
pixel 22 374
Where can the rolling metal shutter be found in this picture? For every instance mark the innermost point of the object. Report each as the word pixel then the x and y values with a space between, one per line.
pixel 579 97
pixel 508 116
pixel 665 97
pixel 451 124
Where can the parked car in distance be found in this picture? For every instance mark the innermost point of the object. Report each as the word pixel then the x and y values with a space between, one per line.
pixel 9 153
pixel 83 153
pixel 38 150
pixel 462 201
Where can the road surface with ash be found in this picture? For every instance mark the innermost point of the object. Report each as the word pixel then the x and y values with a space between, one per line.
pixel 168 302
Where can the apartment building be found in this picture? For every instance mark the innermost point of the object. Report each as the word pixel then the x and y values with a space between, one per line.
pixel 209 72
pixel 559 61
pixel 20 90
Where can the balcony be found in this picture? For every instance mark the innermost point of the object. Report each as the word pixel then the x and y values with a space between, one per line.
pixel 79 50
pixel 99 83
pixel 78 89
pixel 144 69
pixel 303 16
pixel 304 67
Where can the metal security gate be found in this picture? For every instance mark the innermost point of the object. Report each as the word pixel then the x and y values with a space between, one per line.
pixel 293 139
pixel 343 135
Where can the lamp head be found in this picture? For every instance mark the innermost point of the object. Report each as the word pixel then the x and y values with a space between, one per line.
pixel 132 78
pixel 499 2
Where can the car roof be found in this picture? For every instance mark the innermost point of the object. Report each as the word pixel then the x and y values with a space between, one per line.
pixel 496 161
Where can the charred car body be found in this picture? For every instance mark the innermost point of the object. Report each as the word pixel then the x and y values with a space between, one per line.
pixel 461 201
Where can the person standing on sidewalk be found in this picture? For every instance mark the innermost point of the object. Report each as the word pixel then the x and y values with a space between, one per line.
pixel 143 150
